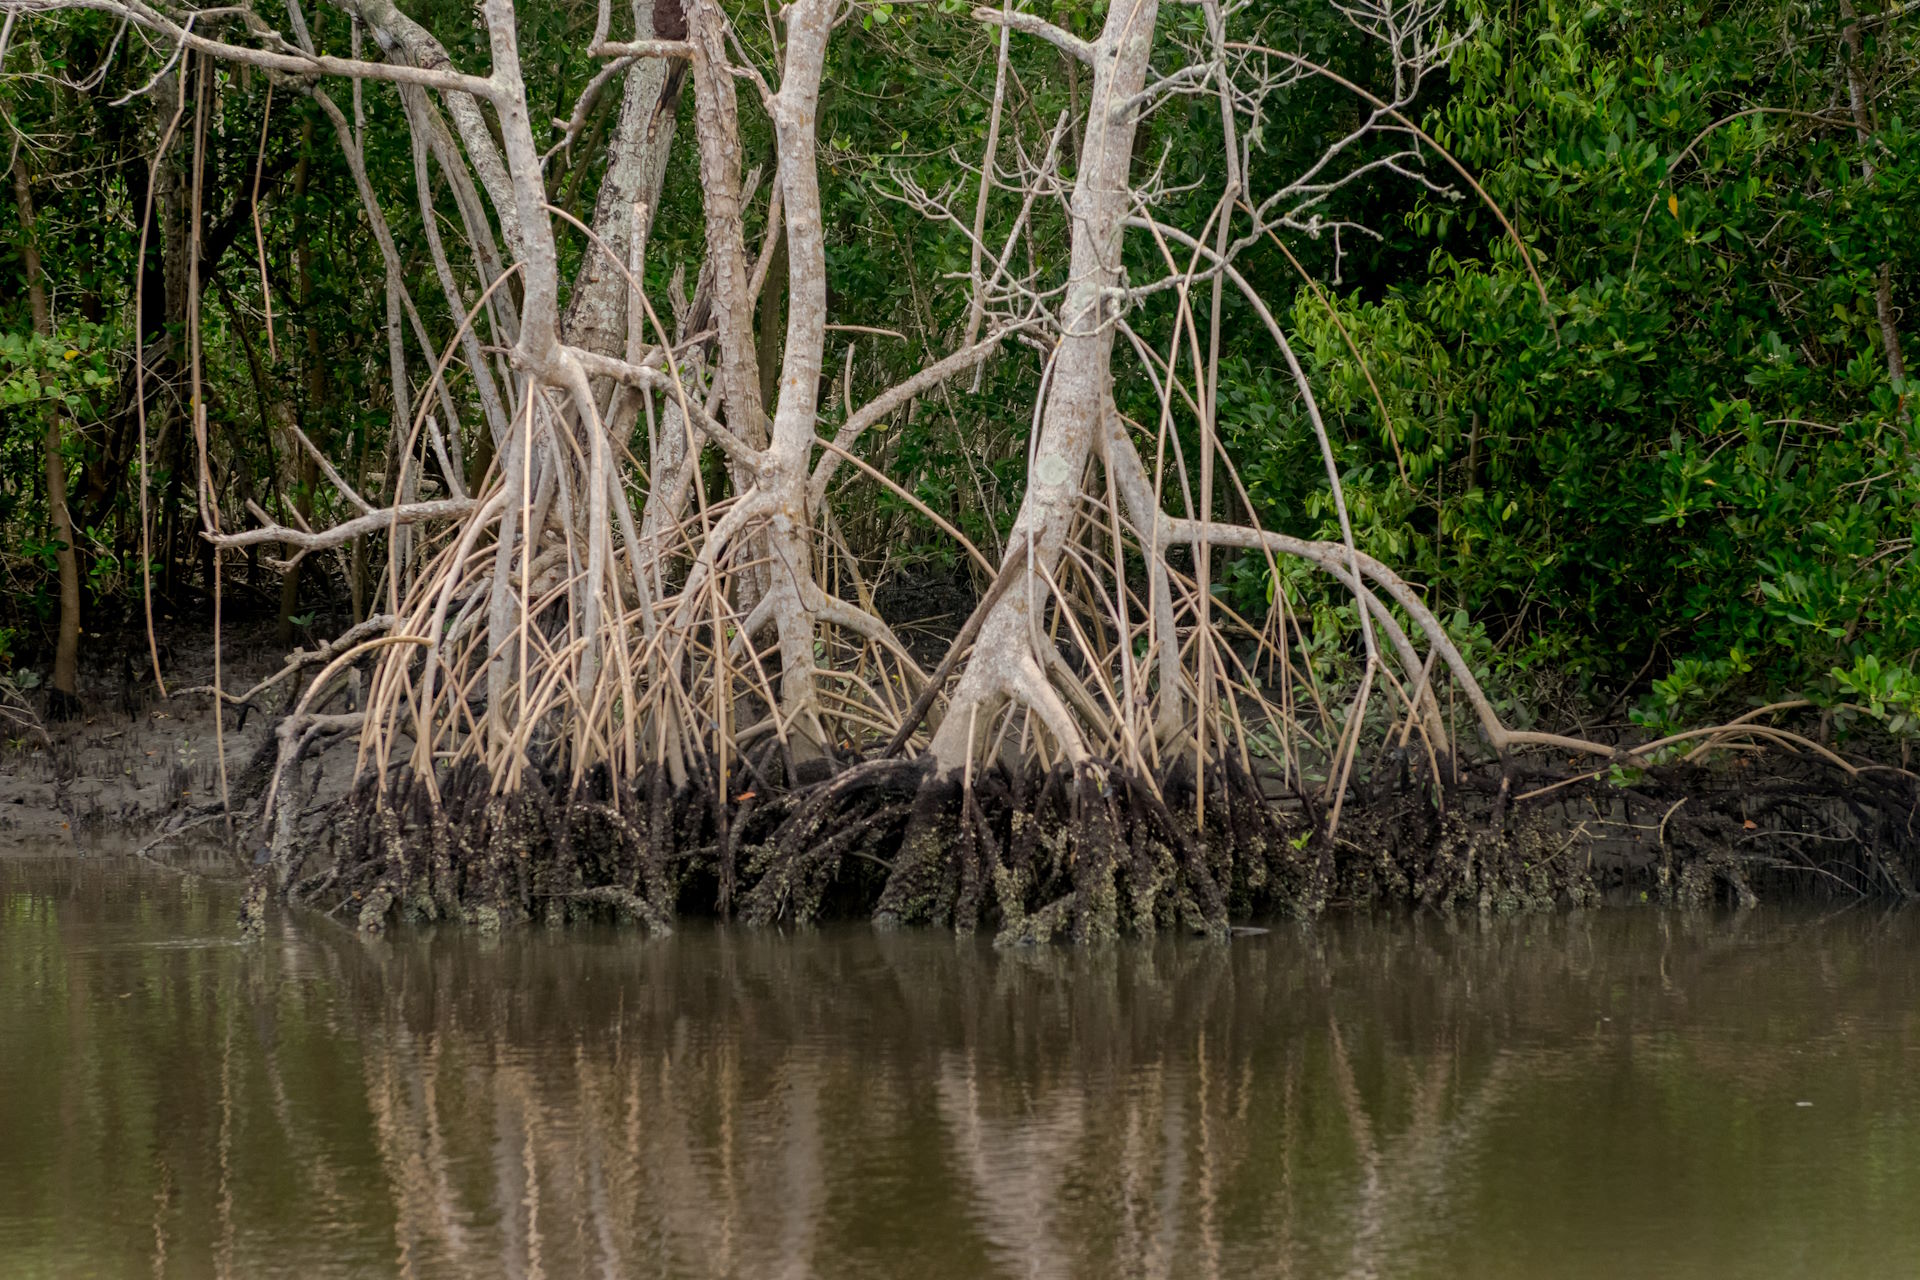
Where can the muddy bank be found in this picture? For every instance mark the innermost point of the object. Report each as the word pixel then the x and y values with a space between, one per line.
pixel 1026 855
pixel 130 764
pixel 1033 856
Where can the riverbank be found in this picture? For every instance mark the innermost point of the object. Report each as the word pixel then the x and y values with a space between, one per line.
pixel 130 765
pixel 1030 857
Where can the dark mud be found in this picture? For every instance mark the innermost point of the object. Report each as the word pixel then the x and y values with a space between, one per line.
pixel 1033 856
pixel 129 766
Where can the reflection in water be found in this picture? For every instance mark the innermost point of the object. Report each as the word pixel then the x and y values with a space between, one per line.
pixel 1614 1095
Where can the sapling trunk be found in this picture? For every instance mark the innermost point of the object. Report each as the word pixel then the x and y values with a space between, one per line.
pixel 64 685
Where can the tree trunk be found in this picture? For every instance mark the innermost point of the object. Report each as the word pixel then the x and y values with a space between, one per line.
pixel 306 473
pixel 596 315
pixel 794 597
pixel 1863 129
pixel 64 700
pixel 1007 660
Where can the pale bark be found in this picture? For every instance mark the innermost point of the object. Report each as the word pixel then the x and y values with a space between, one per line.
pixel 538 346
pixel 346 531
pixel 988 163
pixel 422 119
pixel 398 34
pixel 291 64
pixel 596 315
pixel 717 129
pixel 1005 658
pixel 793 594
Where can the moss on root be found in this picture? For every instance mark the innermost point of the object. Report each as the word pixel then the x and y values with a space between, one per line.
pixel 1085 855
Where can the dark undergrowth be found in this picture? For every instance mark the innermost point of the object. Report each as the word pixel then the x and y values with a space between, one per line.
pixel 1036 855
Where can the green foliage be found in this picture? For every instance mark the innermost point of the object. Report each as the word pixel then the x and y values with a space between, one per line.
pixel 69 372
pixel 1698 449
pixel 1888 695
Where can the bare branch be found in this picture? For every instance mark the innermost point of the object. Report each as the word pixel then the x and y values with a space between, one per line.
pixel 1027 24
pixel 338 481
pixel 291 62
pixel 645 378
pixel 397 33
pixel 340 534
pixel 644 49
pixel 895 396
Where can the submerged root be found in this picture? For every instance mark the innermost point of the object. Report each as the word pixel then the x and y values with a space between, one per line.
pixel 1684 836
pixel 851 816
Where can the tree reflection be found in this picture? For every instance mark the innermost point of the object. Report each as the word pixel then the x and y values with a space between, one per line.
pixel 1343 1100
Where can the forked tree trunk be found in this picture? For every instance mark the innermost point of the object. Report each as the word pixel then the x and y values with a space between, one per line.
pixel 1007 660
pixel 596 316
pixel 794 596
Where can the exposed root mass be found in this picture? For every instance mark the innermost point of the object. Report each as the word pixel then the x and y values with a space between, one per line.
pixel 1091 853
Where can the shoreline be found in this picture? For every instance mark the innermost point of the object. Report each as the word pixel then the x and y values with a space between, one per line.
pixel 129 779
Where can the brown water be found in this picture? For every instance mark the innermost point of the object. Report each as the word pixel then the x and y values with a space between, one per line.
pixel 1628 1094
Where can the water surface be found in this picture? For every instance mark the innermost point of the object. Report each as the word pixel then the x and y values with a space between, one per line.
pixel 1621 1094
